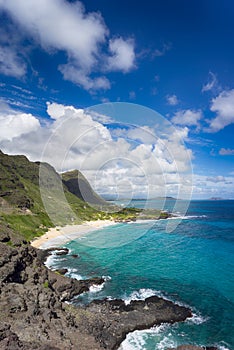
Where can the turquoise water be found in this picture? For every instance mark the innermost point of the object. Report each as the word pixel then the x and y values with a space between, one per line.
pixel 193 265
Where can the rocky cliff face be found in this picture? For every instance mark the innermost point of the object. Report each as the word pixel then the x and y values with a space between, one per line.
pixel 34 315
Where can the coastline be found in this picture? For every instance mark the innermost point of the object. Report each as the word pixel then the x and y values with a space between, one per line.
pixel 59 235
pixel 149 311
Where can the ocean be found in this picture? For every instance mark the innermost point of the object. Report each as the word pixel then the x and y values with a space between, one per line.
pixel 192 265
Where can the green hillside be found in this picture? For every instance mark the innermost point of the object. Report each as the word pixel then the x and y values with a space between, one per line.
pixel 34 197
pixel 21 204
pixel 77 184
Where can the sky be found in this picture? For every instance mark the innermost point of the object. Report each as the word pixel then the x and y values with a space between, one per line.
pixel 138 95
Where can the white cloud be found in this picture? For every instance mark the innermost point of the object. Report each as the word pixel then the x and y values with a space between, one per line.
pixel 147 159
pixel 82 78
pixel 226 152
pixel 216 179
pixel 15 124
pixel 122 55
pixel 187 117
pixel 223 105
pixel 172 100
pixel 10 63
pixel 59 25
pixel 213 186
pixel 211 84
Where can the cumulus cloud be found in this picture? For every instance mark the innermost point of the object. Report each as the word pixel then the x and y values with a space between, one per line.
pixel 211 84
pixel 172 100
pixel 59 25
pixel 187 117
pixel 223 106
pixel 149 162
pixel 15 124
pixel 122 55
pixel 226 152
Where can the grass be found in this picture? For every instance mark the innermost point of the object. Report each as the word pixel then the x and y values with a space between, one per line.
pixel 22 207
pixel 30 226
pixel 46 284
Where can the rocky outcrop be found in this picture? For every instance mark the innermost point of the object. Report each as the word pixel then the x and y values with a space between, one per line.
pixel 115 319
pixel 33 314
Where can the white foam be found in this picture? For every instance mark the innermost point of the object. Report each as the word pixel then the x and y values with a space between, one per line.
pixel 50 261
pixel 53 258
pixel 144 293
pixel 134 341
pixel 166 343
pixel 137 339
pixel 140 294
pixel 223 347
pixel 197 318
pixel 186 217
pixel 72 273
pixel 106 278
pixel 95 288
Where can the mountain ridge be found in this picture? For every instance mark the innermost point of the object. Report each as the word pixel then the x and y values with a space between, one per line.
pixel 21 205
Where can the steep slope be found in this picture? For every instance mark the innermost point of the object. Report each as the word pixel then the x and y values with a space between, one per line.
pixel 21 204
pixel 33 197
pixel 77 184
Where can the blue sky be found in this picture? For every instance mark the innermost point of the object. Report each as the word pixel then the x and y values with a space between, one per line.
pixel 174 57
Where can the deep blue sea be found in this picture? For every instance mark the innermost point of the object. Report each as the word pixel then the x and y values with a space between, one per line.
pixel 192 265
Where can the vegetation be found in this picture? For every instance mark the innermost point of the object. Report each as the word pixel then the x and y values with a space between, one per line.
pixel 23 184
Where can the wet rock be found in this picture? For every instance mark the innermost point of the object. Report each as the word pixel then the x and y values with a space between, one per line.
pixel 62 251
pixel 115 319
pixel 61 271
pixel 68 288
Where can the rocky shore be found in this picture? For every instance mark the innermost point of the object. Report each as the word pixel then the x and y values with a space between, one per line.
pixel 34 313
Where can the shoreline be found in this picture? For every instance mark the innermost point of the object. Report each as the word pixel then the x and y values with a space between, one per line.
pixel 146 309
pixel 58 235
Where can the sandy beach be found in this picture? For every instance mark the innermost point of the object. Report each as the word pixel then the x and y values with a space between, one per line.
pixel 59 235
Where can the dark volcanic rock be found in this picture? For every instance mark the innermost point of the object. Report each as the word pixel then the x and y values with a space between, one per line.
pixel 61 271
pixel 4 237
pixel 62 251
pixel 33 315
pixel 117 319
pixel 68 288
